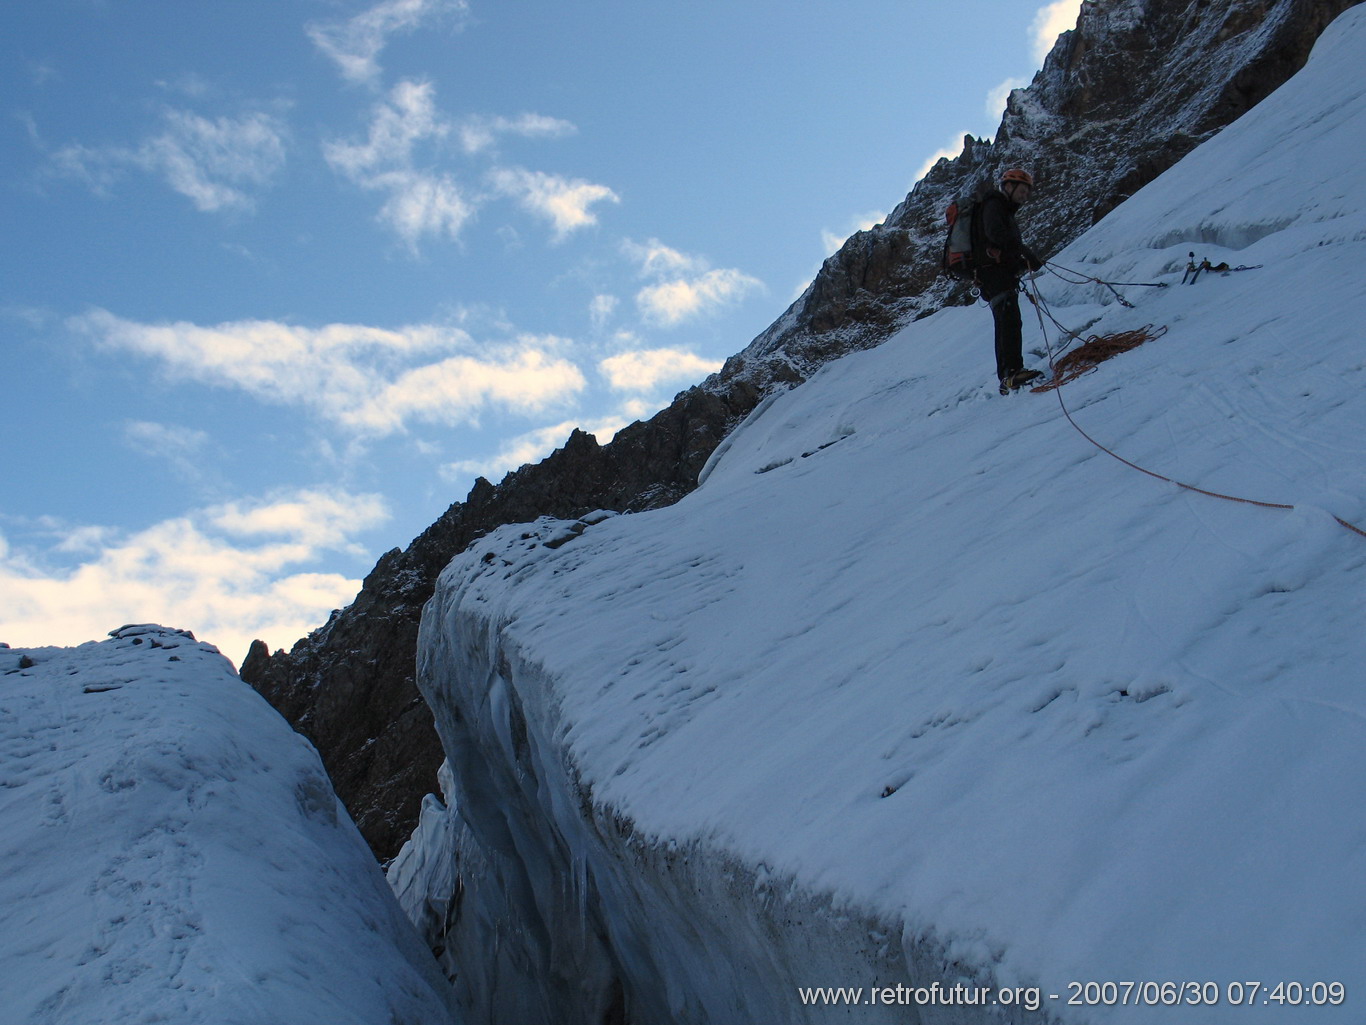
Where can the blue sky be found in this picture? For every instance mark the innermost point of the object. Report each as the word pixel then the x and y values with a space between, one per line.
pixel 282 278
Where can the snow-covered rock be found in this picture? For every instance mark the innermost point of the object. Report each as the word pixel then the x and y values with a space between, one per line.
pixel 1132 89
pixel 170 851
pixel 923 689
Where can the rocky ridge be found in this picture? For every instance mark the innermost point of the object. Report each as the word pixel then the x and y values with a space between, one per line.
pixel 1131 90
pixel 1122 97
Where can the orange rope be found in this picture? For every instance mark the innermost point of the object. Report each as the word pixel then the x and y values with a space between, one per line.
pixel 1095 351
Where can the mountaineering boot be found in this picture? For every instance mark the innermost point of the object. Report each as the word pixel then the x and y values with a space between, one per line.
pixel 1018 379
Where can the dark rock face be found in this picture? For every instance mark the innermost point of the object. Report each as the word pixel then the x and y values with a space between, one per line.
pixel 1129 92
pixel 349 686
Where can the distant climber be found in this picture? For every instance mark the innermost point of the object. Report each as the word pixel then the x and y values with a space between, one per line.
pixel 1000 259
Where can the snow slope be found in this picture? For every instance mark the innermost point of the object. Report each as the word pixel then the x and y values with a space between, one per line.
pixel 927 655
pixel 170 851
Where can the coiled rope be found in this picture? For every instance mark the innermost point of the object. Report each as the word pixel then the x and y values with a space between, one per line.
pixel 1113 345
pixel 1095 351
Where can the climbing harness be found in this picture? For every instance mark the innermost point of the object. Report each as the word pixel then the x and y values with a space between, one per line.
pixel 1041 307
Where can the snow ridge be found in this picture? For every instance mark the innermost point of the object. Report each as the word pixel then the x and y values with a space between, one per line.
pixel 174 852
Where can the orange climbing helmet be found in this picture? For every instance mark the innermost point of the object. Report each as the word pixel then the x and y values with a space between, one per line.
pixel 1016 174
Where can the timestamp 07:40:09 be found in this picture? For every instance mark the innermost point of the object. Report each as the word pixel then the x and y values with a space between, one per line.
pixel 1238 994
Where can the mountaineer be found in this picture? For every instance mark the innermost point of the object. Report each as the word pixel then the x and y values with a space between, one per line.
pixel 1001 257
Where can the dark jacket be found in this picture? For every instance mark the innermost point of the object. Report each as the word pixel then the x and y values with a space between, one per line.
pixel 1001 248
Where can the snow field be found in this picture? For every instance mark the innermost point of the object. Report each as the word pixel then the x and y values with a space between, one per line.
pixel 173 852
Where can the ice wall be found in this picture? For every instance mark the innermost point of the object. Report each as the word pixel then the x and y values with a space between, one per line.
pixel 563 913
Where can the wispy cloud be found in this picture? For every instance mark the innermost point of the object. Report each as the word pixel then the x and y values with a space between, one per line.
pixel 42 72
pixel 1051 21
pixel 601 308
pixel 996 99
pixel 655 259
pixel 354 45
pixel 947 152
pixel 833 240
pixel 686 286
pixel 183 449
pixel 423 201
pixel 311 520
pixel 397 124
pixel 367 380
pixel 672 302
pixel 480 133
pixel 565 202
pixel 164 440
pixel 420 202
pixel 643 370
pixel 215 162
pixel 230 573
pixel 533 446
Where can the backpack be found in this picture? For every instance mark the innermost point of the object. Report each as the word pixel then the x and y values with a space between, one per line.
pixel 959 259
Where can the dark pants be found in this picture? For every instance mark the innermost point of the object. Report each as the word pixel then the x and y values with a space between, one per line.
pixel 1001 289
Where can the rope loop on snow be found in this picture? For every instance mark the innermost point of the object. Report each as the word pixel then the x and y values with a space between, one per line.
pixel 1104 347
pixel 1095 351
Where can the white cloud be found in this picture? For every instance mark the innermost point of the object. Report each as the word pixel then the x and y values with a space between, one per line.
pixel 565 202
pixel 229 573
pixel 367 380
pixel 672 302
pixel 947 152
pixel 180 448
pixel 531 447
pixel 80 540
pixel 406 117
pixel 602 307
pixel 163 440
pixel 635 409
pixel 318 520
pixel 1051 21
pixel 832 240
pixel 354 45
pixel 644 369
pixel 685 286
pixel 480 133
pixel 189 84
pixel 997 97
pixel 526 379
pixel 535 445
pixel 213 162
pixel 425 202
pixel 658 260
pixel 420 202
